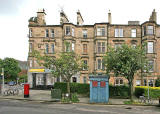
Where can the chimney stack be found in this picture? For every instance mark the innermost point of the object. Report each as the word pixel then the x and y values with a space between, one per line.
pixel 109 18
pixel 153 16
pixel 63 17
pixel 41 17
pixel 79 18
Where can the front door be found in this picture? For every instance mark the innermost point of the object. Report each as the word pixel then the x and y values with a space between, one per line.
pixel 34 80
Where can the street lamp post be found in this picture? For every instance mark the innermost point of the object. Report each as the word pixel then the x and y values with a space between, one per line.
pixel 2 80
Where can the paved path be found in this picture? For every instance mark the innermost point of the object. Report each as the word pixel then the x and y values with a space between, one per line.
pixel 32 107
pixel 45 95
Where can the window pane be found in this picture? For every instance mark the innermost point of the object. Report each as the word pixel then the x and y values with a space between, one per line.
pixel 47 50
pixel 52 33
pixel 72 46
pixel 103 47
pixel 85 63
pixel 84 32
pixel 98 31
pixel 116 33
pixel 68 31
pixel 30 32
pixel 99 47
pixel 151 65
pixel 30 63
pixel 85 48
pixel 72 31
pixel 145 82
pixel 121 81
pixel 150 47
pixel 133 33
pixel 138 82
pixel 150 30
pixel 52 48
pixel 84 80
pixel 99 63
pixel 120 32
pixel 47 33
pixel 102 31
pixel 30 47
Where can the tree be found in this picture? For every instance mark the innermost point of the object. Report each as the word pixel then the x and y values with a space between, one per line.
pixel 126 61
pixel 64 66
pixel 11 68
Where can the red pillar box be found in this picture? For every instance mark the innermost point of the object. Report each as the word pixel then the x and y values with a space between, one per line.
pixel 26 90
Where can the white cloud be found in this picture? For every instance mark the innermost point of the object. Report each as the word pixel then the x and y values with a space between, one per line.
pixel 14 26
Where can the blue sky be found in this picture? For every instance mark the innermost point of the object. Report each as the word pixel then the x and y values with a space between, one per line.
pixel 14 15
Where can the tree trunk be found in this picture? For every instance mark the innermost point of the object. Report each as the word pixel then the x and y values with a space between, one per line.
pixel 68 88
pixel 131 89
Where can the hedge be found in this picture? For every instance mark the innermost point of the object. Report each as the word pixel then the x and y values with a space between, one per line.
pixel 154 92
pixel 114 91
pixel 75 87
pixel 119 91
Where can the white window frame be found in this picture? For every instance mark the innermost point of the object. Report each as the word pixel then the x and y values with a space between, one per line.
pixel 119 80
pixel 133 33
pixel 138 82
pixel 73 46
pixel 30 63
pixel 101 31
pixel 30 32
pixel 30 47
pixel 118 32
pixel 151 64
pixel 85 62
pixel 46 33
pixel 84 79
pixel 68 31
pixel 84 32
pixel 46 48
pixel 40 80
pixel 150 47
pixel 85 48
pixel 101 47
pixel 72 31
pixel 150 30
pixel 117 46
pixel 52 48
pixel 52 33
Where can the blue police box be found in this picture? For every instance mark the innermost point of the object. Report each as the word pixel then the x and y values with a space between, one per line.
pixel 99 88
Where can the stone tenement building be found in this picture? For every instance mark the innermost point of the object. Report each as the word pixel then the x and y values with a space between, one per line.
pixel 90 42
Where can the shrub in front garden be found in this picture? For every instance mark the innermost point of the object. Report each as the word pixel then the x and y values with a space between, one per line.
pixel 154 92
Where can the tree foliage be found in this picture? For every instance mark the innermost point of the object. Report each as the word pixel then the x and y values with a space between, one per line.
pixel 126 61
pixel 11 68
pixel 64 66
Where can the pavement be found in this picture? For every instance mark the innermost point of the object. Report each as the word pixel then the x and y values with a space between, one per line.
pixel 45 95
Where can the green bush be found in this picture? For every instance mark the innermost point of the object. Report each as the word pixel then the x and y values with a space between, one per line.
pixel 79 88
pixel 157 84
pixel 139 92
pixel 154 92
pixel 75 87
pixel 119 91
pixel 74 98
